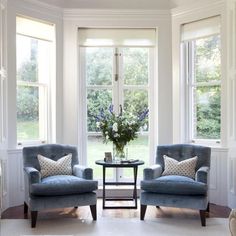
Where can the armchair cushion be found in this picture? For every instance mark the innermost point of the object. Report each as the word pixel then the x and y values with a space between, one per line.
pixel 50 167
pixel 184 168
pixel 62 185
pixel 173 184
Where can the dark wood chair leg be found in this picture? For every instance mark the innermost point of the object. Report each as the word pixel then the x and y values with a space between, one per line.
pixel 143 211
pixel 203 217
pixel 34 215
pixel 208 207
pixel 25 208
pixel 93 209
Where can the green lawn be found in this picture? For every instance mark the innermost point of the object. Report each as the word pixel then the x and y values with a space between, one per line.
pixel 27 130
pixel 137 149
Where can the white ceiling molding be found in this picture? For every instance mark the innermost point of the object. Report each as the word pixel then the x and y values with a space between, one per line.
pixel 41 7
pixel 72 14
pixel 196 7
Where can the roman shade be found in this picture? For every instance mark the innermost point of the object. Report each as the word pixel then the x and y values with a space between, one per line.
pixel 201 29
pixel 119 37
pixel 36 28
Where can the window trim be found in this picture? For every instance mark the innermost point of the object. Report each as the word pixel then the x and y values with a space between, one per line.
pixel 47 87
pixel 187 50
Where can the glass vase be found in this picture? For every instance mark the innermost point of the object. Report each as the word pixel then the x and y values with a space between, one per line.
pixel 120 152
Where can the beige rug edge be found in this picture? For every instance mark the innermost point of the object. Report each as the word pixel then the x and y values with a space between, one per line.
pixel 116 227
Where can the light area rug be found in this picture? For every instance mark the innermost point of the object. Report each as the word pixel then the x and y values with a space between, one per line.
pixel 116 227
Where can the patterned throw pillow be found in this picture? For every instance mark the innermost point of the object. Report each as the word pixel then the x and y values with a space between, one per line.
pixel 185 168
pixel 59 167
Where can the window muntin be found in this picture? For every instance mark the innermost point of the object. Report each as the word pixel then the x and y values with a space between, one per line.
pixel 102 89
pixel 204 88
pixel 34 76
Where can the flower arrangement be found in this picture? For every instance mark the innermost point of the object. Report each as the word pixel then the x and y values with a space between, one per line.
pixel 120 129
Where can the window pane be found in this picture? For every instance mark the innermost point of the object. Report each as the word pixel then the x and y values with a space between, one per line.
pixel 33 59
pixel 135 66
pixel 96 149
pixel 138 149
pixel 99 66
pixel 96 100
pixel 207 112
pixel 136 102
pixel 207 59
pixel 27 113
pixel 33 75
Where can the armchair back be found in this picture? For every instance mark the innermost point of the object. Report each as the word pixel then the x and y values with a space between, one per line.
pixel 52 151
pixel 182 152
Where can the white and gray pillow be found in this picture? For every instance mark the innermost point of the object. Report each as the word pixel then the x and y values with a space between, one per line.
pixel 60 167
pixel 183 168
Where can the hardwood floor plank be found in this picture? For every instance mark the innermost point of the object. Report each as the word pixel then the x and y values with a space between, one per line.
pixel 152 211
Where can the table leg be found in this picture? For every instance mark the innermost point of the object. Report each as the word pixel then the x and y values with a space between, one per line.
pixel 104 190
pixel 135 185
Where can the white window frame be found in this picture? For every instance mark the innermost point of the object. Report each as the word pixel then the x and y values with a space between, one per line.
pixel 187 50
pixel 117 92
pixel 46 96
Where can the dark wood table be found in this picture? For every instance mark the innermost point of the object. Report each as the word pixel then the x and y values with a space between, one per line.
pixel 133 165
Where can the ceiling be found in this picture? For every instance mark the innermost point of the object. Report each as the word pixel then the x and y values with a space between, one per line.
pixel 121 4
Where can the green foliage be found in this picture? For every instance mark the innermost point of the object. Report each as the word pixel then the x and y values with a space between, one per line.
pixel 209 114
pixel 99 64
pixel 208 102
pixel 28 96
pixel 120 129
pixel 27 103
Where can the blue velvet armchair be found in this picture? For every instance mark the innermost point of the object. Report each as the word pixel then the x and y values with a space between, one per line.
pixel 56 191
pixel 175 190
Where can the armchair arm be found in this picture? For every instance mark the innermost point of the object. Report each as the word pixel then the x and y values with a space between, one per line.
pixel 83 172
pixel 202 174
pixel 32 175
pixel 152 172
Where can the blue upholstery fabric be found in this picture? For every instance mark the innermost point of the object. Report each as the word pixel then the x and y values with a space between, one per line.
pixel 177 191
pixel 173 184
pixel 202 174
pixel 83 172
pixel 52 151
pixel 38 203
pixel 60 190
pixel 33 175
pixel 181 201
pixel 182 152
pixel 152 172
pixel 62 185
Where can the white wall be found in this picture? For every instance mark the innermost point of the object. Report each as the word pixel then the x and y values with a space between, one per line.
pixel 231 74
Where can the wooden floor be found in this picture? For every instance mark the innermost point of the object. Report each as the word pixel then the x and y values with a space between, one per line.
pixel 84 212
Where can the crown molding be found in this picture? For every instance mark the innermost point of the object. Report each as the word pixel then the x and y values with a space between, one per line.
pixel 40 7
pixel 73 14
pixel 196 7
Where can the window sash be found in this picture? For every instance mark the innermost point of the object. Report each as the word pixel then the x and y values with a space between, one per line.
pixel 191 85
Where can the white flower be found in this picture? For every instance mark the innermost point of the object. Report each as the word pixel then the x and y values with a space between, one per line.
pixel 98 124
pixel 106 132
pixel 116 135
pixel 107 137
pixel 145 127
pixel 115 127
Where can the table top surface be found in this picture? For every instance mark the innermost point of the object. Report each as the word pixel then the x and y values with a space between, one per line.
pixel 119 164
